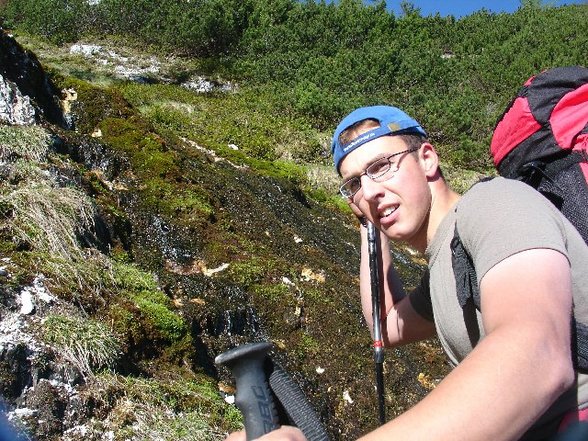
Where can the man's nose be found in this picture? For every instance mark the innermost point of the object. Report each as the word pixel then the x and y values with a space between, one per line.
pixel 371 190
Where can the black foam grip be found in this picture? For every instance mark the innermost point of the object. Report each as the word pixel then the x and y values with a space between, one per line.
pixel 297 406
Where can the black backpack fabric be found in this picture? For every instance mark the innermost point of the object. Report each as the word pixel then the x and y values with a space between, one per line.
pixel 542 140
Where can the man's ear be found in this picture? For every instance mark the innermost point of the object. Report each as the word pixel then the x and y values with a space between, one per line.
pixel 429 159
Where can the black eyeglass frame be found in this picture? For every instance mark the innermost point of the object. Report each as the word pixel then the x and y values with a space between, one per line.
pixel 372 176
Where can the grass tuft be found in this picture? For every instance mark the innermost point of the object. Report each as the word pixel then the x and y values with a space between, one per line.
pixel 28 142
pixel 88 344
pixel 168 409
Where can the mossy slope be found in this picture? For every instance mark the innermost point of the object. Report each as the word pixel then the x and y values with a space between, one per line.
pixel 190 249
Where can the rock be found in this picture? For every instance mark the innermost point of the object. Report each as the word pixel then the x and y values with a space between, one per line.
pixel 15 108
pixel 86 50
pixel 26 301
pixel 20 70
pixel 49 403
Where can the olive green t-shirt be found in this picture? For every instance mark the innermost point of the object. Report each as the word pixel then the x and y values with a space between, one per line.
pixel 497 219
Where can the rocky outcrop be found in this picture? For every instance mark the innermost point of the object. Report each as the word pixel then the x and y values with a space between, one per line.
pixel 26 93
pixel 15 108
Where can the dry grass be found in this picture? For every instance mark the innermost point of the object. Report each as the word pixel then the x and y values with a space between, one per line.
pixel 49 218
pixel 30 143
pixel 38 212
pixel 323 176
pixel 43 217
pixel 86 344
pixel 146 409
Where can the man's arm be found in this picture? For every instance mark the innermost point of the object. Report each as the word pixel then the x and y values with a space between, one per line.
pixel 402 324
pixel 516 372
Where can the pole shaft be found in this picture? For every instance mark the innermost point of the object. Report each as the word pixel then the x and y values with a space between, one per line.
pixel 376 317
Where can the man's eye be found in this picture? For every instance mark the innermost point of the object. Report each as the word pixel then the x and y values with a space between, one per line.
pixel 379 167
pixel 354 185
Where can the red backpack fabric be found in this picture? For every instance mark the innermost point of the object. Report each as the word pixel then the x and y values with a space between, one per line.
pixel 542 139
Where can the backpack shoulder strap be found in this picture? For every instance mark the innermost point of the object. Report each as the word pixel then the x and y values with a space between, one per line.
pixel 466 281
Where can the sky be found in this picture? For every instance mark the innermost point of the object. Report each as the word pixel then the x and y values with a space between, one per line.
pixel 459 8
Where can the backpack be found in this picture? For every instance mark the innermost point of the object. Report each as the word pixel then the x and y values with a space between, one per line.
pixel 542 140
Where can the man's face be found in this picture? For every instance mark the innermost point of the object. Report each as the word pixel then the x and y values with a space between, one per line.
pixel 398 205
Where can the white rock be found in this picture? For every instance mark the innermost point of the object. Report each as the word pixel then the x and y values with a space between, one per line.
pixel 210 272
pixel 347 397
pixel 26 301
pixel 85 49
pixel 15 108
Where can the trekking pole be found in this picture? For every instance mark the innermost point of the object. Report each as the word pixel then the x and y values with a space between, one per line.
pixel 376 317
pixel 254 397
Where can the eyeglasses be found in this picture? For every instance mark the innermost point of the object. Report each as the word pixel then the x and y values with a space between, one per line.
pixel 378 171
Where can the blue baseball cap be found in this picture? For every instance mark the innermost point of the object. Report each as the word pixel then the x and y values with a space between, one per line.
pixel 393 121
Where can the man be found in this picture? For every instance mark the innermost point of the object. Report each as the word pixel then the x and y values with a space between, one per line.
pixel 514 376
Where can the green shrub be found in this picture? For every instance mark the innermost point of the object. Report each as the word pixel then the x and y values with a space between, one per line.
pixel 58 20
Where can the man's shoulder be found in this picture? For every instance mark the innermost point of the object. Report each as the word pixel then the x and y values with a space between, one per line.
pixel 498 201
pixel 498 192
pixel 497 185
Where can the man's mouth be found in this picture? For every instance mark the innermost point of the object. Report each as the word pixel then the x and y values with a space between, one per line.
pixel 387 212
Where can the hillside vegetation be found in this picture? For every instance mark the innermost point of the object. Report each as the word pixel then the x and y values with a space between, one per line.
pixel 312 61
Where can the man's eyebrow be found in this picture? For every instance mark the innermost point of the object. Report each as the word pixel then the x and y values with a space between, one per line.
pixel 374 160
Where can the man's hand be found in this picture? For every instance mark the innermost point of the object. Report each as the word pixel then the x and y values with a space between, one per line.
pixel 360 216
pixel 236 436
pixel 284 433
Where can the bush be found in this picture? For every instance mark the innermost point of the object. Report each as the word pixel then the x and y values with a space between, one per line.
pixel 59 21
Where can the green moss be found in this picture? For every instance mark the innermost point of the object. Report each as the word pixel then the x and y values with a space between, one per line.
pixel 180 352
pixel 131 278
pixel 317 296
pixel 187 203
pixel 125 324
pixel 7 246
pixel 276 292
pixel 158 168
pixel 134 137
pixel 308 345
pixel 247 272
pixel 155 307
pixel 120 256
pixel 94 104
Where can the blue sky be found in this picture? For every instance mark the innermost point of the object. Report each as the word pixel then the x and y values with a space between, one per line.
pixel 459 8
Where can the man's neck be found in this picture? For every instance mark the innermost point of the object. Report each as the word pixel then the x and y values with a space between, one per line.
pixel 443 199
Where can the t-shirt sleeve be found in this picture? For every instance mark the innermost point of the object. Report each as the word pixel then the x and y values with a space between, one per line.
pixel 502 218
pixel 420 298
